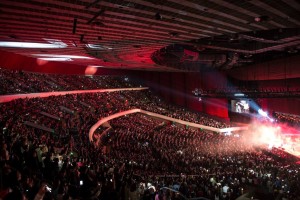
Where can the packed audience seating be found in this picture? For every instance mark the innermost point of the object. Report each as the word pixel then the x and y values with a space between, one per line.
pixel 16 82
pixel 23 146
pixel 154 104
pixel 293 120
pixel 212 161
pixel 138 155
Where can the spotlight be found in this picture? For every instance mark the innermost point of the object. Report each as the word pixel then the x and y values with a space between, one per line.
pixel 262 113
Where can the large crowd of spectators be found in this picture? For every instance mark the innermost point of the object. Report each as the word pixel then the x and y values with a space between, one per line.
pixel 292 120
pixel 138 151
pixel 40 155
pixel 154 104
pixel 198 162
pixel 135 156
pixel 16 82
pixel 32 158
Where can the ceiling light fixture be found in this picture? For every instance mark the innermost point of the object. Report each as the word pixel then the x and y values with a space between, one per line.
pixel 98 46
pixel 56 59
pixel 32 45
pixel 61 56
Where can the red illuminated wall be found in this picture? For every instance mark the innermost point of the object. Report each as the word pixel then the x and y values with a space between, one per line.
pixel 177 88
pixel 217 107
pixel 291 105
pixel 291 84
pixel 19 62
pixel 285 105
pixel 214 106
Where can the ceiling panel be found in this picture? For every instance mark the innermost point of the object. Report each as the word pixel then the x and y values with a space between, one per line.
pixel 129 32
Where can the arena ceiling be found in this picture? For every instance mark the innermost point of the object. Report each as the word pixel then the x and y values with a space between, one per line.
pixel 135 34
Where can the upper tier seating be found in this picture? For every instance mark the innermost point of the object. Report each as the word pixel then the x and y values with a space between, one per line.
pixel 19 82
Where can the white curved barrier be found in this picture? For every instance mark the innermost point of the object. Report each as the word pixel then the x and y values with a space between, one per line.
pixel 103 120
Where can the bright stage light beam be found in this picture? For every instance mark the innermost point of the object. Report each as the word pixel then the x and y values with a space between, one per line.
pixel 262 113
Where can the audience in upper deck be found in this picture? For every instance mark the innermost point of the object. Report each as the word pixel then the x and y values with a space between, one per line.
pixel 293 120
pixel 16 82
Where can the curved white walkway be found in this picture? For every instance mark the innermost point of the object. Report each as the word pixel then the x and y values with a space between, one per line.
pixel 103 120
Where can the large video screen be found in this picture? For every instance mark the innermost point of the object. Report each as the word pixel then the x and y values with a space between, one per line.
pixel 240 106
